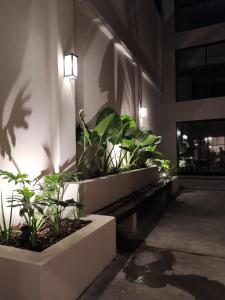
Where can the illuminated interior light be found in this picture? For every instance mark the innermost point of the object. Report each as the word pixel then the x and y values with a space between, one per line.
pixel 178 133
pixel 185 137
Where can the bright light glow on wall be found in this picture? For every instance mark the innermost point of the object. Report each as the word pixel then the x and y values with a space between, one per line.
pixel 178 133
pixel 71 66
pixel 143 112
pixel 123 50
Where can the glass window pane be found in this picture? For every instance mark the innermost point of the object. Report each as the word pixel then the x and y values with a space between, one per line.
pixel 182 3
pixel 216 54
pixel 199 85
pixel 200 72
pixel 216 82
pixel 215 11
pixel 190 16
pixel 189 59
pixel 201 147
pixel 184 88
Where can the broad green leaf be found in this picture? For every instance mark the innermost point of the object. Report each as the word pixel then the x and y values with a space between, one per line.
pixel 85 128
pixel 105 113
pixel 128 121
pixel 104 124
pixel 149 141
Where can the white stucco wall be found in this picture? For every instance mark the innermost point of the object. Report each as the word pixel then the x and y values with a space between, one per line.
pixel 108 77
pixel 37 105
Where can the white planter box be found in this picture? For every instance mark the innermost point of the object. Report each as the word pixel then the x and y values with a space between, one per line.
pixel 62 271
pixel 102 191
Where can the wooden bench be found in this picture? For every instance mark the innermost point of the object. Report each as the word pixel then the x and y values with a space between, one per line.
pixel 125 209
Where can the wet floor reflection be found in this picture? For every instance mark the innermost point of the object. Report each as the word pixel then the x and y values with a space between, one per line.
pixel 155 268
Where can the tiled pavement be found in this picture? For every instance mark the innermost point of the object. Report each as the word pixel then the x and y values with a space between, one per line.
pixel 182 258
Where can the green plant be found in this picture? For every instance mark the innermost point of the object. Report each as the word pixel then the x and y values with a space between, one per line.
pixel 116 143
pixel 40 204
pixel 53 191
pixel 184 154
pixel 28 202
pixel 95 154
pixel 5 228
pixel 166 168
pixel 141 143
pixel 77 210
pixel 32 211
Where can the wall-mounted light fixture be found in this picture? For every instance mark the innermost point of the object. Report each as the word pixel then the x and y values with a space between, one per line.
pixel 71 66
pixel 143 112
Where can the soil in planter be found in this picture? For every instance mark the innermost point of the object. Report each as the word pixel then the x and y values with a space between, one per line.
pixel 46 235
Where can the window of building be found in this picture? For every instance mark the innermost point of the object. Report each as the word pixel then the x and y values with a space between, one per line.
pixel 201 147
pixel 158 4
pixel 200 72
pixel 191 14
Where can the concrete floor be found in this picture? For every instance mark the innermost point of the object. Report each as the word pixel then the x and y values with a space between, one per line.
pixel 181 258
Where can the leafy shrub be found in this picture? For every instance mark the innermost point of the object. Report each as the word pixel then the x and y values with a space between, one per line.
pixel 38 203
pixel 115 144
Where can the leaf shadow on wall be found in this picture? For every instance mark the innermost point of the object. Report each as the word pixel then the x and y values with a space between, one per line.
pixel 68 165
pixel 14 36
pixel 17 119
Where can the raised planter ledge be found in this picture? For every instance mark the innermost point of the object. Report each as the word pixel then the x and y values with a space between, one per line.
pixel 102 191
pixel 63 270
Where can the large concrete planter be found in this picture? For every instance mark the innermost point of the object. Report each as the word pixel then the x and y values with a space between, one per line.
pixel 62 271
pixel 102 191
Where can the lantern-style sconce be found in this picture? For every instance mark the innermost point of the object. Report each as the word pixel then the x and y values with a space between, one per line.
pixel 143 112
pixel 71 66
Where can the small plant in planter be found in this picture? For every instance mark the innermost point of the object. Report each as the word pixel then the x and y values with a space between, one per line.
pixel 166 169
pixel 30 209
pixel 5 227
pixel 41 207
pixel 53 190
